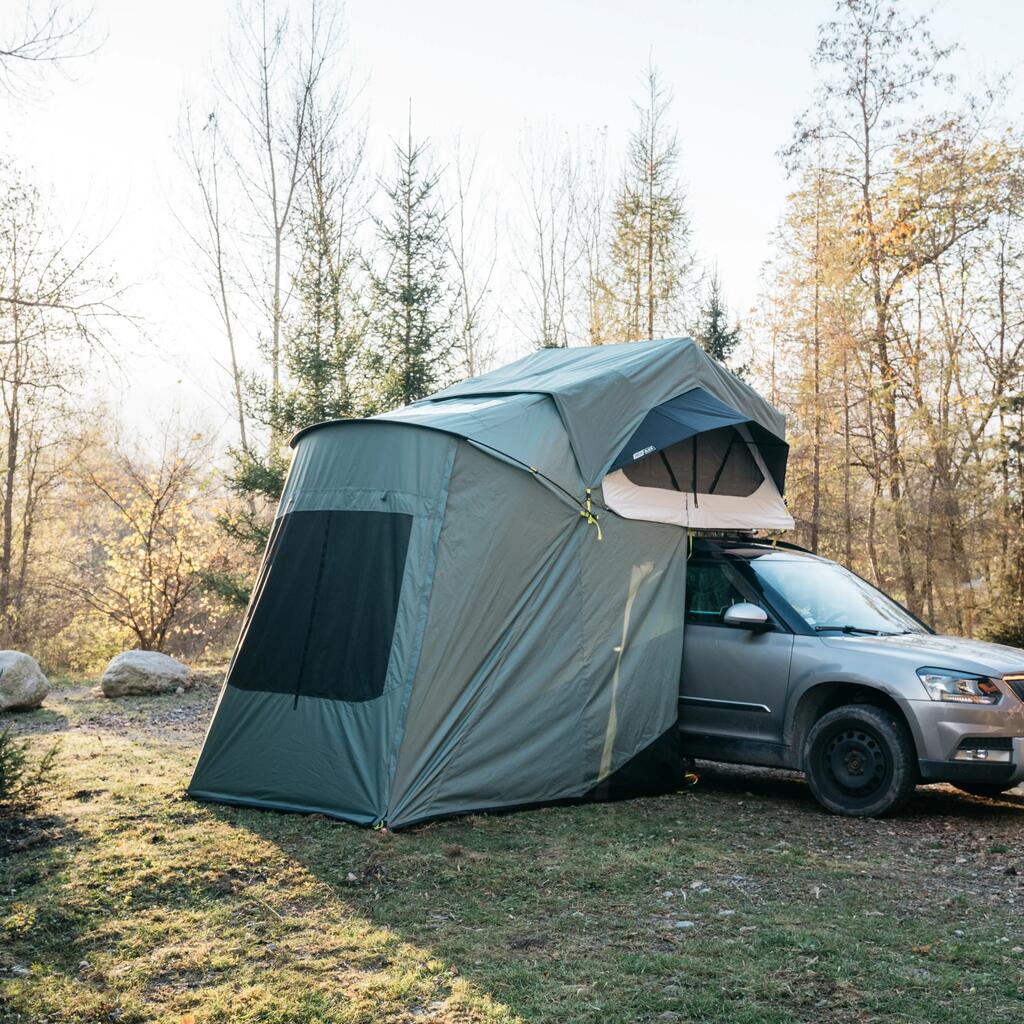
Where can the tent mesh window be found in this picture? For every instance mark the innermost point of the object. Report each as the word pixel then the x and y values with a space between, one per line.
pixel 323 612
pixel 714 462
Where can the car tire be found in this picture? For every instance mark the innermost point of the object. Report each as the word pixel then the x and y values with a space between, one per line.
pixel 989 789
pixel 860 761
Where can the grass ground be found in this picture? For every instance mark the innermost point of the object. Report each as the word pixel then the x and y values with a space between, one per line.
pixel 738 901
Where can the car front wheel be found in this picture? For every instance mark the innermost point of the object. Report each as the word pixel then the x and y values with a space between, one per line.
pixel 860 761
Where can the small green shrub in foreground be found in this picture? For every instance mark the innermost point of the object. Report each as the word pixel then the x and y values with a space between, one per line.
pixel 21 783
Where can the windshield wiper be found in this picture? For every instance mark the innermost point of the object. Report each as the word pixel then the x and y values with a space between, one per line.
pixel 854 629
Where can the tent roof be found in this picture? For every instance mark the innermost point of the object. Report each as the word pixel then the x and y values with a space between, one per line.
pixel 602 395
pixel 604 392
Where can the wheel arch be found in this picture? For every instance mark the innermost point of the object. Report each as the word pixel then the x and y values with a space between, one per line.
pixel 821 698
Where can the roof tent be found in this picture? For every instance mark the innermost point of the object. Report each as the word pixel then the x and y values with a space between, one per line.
pixel 475 602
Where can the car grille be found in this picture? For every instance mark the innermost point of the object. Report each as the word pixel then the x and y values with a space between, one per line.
pixel 1016 683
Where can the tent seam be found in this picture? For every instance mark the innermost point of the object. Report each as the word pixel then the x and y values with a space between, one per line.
pixel 439 513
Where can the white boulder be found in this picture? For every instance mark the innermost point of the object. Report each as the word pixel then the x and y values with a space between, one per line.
pixel 140 673
pixel 22 683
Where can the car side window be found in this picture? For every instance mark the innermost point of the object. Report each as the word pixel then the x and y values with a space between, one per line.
pixel 710 590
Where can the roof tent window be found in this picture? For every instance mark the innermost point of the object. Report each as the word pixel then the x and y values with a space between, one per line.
pixel 714 462
pixel 323 613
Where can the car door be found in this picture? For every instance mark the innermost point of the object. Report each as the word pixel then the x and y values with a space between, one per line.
pixel 734 680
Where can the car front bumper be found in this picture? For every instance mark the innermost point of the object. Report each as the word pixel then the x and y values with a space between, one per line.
pixel 943 729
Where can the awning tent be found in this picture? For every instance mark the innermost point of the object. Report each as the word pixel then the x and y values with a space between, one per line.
pixel 476 601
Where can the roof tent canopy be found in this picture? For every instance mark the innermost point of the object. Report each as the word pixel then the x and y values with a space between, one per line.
pixel 577 417
pixel 604 393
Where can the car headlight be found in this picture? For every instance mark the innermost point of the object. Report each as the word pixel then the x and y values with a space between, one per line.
pixel 958 687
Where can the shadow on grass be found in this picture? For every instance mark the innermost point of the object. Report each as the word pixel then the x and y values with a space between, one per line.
pixel 36 847
pixel 40 720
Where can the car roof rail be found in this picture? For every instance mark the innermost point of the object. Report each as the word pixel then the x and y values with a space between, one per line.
pixel 792 547
pixel 721 539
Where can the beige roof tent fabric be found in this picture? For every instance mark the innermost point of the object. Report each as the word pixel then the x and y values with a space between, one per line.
pixel 735 491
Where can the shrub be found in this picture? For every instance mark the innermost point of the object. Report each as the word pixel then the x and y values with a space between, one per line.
pixel 21 782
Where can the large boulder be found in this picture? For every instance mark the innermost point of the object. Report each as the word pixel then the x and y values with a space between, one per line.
pixel 140 673
pixel 22 683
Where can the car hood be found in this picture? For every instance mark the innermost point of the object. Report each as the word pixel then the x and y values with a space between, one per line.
pixel 932 651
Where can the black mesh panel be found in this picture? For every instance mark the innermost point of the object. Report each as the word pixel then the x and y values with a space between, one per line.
pixel 724 465
pixel 323 617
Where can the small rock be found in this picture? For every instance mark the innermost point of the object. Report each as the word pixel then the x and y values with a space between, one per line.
pixel 20 972
pixel 180 690
pixel 351 877
pixel 726 913
pixel 140 673
pixel 959 933
pixel 685 925
pixel 22 683
pixel 668 1015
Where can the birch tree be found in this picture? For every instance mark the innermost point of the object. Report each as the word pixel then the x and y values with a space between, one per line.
pixel 549 252
pixel 48 34
pixel 55 311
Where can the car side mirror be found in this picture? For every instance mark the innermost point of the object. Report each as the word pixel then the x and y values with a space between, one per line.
pixel 746 616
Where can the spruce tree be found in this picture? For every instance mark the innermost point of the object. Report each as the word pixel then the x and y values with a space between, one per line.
pixel 713 331
pixel 321 351
pixel 414 299
pixel 650 257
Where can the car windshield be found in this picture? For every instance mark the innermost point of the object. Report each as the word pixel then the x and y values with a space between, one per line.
pixel 829 597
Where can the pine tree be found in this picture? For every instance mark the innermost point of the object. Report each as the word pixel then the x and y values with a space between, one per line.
pixel 321 352
pixel 324 341
pixel 713 331
pixel 414 299
pixel 650 258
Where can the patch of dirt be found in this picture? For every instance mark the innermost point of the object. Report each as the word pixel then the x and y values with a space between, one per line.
pixel 973 846
pixel 168 718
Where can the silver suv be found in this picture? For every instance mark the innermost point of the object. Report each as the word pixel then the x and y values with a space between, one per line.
pixel 792 661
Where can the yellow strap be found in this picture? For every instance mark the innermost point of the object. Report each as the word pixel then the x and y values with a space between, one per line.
pixel 592 520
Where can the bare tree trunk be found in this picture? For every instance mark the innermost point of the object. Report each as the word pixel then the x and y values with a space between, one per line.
pixel 13 411
pixel 876 568
pixel 816 377
pixel 847 460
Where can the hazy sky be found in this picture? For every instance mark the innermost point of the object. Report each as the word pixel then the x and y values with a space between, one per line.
pixel 739 71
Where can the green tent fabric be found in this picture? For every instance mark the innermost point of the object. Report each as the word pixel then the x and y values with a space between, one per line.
pixel 441 626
